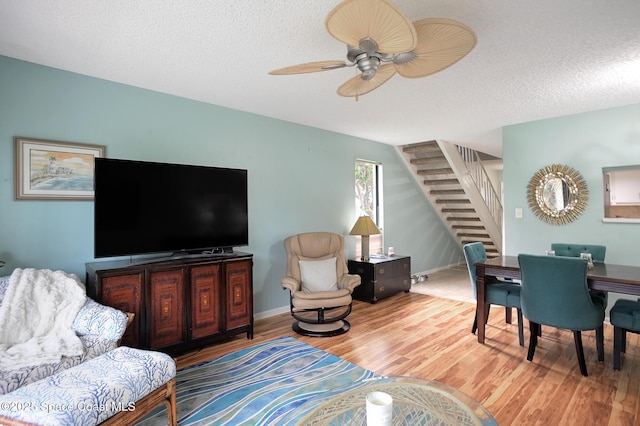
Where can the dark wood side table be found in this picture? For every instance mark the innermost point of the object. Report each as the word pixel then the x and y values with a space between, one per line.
pixel 382 277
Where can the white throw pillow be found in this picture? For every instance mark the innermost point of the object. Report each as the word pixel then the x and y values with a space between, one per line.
pixel 318 275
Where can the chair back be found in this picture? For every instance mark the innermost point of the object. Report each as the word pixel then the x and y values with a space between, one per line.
pixel 474 253
pixel 555 292
pixel 314 246
pixel 574 250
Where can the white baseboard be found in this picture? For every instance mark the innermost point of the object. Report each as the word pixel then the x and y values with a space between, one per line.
pixel 440 268
pixel 271 313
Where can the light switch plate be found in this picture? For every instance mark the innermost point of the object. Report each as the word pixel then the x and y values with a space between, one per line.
pixel 518 212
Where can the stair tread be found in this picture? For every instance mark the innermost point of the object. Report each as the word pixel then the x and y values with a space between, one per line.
pixel 455 210
pixel 442 171
pixel 421 147
pixel 446 191
pixel 454 201
pixel 429 160
pixel 446 181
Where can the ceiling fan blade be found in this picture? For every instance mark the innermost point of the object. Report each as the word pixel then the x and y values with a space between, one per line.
pixel 357 86
pixel 354 20
pixel 441 43
pixel 309 67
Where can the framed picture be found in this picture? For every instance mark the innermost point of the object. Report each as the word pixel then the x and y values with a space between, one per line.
pixel 52 170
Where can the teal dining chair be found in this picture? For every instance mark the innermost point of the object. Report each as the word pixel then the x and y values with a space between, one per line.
pixel 555 293
pixel 624 316
pixel 497 292
pixel 598 253
pixel 573 250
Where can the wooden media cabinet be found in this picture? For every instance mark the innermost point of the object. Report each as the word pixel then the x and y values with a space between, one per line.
pixel 179 304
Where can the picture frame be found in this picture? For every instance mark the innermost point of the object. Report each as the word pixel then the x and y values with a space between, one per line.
pixel 54 170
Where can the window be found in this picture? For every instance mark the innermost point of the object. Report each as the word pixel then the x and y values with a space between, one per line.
pixel 368 187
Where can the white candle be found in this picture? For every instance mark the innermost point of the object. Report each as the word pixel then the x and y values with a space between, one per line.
pixel 379 409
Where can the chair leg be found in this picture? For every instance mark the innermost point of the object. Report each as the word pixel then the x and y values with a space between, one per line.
pixel 486 318
pixel 623 341
pixel 475 322
pixel 508 315
pixel 520 328
pixel 533 339
pixel 600 343
pixel 618 334
pixel 577 337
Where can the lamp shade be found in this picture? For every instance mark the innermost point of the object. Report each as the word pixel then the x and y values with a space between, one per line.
pixel 364 226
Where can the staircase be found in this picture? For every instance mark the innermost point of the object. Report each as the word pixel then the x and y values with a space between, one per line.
pixel 455 181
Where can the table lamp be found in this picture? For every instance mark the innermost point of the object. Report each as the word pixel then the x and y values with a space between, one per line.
pixel 364 227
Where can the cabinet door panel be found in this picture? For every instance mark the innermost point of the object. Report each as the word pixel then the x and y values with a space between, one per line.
pixel 167 308
pixel 205 301
pixel 239 294
pixel 124 292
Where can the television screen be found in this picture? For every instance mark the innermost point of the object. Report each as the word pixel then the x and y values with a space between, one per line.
pixel 145 207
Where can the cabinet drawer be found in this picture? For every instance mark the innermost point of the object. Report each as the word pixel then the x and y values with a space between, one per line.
pixel 385 287
pixel 393 269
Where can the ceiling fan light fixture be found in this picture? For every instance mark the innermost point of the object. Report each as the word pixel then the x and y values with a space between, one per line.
pixel 357 86
pixel 369 66
pixel 368 75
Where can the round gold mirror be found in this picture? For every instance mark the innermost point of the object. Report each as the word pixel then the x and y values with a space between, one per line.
pixel 557 194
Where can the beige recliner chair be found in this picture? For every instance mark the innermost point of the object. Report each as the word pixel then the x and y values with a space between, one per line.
pixel 319 283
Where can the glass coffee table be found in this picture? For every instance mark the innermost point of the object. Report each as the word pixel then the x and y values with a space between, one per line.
pixel 415 402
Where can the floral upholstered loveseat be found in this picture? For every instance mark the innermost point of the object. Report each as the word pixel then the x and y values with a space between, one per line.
pixel 99 328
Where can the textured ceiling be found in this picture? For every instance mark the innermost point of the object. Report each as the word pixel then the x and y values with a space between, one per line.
pixel 533 60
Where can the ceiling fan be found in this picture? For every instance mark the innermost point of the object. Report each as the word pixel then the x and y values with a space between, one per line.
pixel 381 42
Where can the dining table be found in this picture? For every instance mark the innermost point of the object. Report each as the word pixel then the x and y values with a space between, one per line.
pixel 623 279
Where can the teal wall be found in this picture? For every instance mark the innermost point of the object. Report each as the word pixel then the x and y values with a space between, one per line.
pixel 300 178
pixel 587 142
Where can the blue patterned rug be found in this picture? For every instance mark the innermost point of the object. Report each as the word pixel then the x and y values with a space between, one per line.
pixel 259 385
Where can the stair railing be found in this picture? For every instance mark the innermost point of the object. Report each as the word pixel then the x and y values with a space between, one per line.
pixel 474 180
pixel 479 175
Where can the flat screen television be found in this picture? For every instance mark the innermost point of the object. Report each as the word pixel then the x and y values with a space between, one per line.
pixel 148 208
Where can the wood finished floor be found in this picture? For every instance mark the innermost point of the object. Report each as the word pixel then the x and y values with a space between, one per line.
pixel 418 335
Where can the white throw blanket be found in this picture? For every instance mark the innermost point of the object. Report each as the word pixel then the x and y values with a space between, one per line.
pixel 36 318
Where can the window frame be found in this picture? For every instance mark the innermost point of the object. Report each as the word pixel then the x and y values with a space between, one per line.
pixel 376 242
